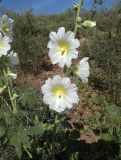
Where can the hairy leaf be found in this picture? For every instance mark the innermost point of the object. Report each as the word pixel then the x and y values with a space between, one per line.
pixel 18 137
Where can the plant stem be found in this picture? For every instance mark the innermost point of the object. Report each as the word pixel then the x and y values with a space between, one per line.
pixel 6 103
pixel 65 70
pixel 78 14
pixel 13 102
pixel 29 154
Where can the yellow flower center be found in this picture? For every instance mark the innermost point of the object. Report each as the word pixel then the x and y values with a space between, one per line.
pixel 5 28
pixel 59 91
pixel 1 44
pixel 63 47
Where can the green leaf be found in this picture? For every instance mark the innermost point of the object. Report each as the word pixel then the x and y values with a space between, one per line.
pixel 18 137
pixel 28 97
pixel 114 112
pixel 106 137
pixel 36 130
pixel 73 157
pixel 2 131
pixel 6 115
pixel 16 142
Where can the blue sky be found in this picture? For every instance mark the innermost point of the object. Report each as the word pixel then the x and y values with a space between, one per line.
pixel 47 6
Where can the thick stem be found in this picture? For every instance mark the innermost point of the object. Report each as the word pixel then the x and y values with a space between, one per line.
pixel 13 102
pixel 78 14
pixel 65 70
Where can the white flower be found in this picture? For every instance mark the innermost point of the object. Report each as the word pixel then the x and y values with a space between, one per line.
pixel 13 59
pixel 59 93
pixel 83 70
pixel 4 45
pixel 12 75
pixel 63 47
pixel 6 25
pixel 89 24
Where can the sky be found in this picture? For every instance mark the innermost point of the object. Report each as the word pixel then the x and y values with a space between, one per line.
pixel 47 6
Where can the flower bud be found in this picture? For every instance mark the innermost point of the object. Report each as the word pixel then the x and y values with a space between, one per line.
pixel 79 19
pixel 14 96
pixel 78 26
pixel 76 6
pixel 2 89
pixel 88 24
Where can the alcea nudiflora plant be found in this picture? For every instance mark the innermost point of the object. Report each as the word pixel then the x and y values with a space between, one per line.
pixel 21 130
pixel 59 92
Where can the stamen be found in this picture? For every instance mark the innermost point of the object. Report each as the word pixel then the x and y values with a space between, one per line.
pixel 63 47
pixel 63 52
pixel 59 91
pixel 6 28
